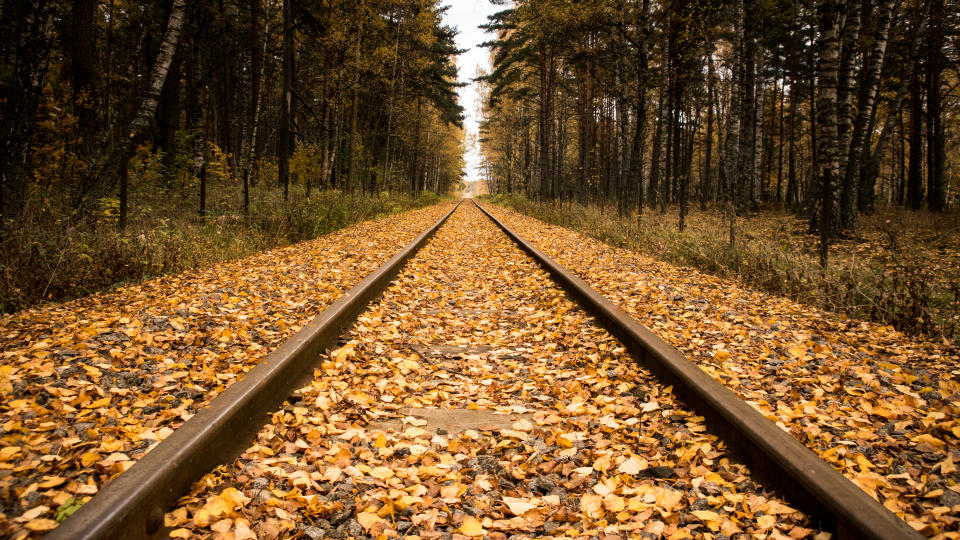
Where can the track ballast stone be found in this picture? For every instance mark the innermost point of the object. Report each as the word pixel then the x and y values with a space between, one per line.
pixel 587 445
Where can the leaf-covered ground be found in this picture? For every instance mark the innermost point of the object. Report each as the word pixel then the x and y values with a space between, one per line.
pixel 88 387
pixel 588 445
pixel 879 406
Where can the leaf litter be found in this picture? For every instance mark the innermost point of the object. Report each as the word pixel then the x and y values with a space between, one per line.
pixel 879 406
pixel 590 446
pixel 88 387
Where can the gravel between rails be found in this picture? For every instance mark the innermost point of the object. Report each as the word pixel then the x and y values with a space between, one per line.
pixel 475 399
pixel 881 407
pixel 89 386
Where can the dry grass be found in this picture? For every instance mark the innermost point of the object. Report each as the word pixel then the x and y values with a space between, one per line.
pixel 902 269
pixel 43 257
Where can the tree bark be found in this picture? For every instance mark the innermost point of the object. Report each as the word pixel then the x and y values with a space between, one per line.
pixel 870 169
pixel 866 105
pixel 545 132
pixel 284 144
pixel 828 47
pixel 706 183
pixel 640 132
pixel 748 113
pixel 83 71
pixel 914 178
pixel 355 109
pixel 107 177
pixel 849 36
pixel 936 139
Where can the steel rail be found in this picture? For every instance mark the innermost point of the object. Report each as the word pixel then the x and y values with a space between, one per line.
pixel 133 504
pixel 776 458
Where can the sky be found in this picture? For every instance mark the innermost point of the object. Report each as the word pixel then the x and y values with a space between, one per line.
pixel 465 16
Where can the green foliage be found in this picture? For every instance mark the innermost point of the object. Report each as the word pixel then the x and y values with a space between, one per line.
pixel 67 509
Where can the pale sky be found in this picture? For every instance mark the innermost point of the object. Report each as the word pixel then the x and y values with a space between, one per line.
pixel 465 16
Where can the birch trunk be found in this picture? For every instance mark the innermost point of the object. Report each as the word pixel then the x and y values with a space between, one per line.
pixel 107 176
pixel 827 136
pixel 866 102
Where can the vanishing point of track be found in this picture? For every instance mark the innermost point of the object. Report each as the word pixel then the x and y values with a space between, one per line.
pixel 515 368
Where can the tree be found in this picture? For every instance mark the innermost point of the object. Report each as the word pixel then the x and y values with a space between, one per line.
pixel 106 178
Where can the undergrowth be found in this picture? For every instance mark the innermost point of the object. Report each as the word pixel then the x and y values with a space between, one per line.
pixel 902 269
pixel 44 257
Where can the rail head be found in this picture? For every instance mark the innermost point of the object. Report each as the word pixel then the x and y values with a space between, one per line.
pixel 133 504
pixel 782 462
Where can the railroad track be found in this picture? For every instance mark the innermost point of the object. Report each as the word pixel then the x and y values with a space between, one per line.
pixel 495 386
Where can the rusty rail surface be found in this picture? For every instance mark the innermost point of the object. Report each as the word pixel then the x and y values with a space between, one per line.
pixel 776 458
pixel 133 504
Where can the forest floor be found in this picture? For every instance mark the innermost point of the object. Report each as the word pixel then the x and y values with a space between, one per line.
pixel 880 406
pixel 902 268
pixel 89 386
pixel 560 435
pixel 45 257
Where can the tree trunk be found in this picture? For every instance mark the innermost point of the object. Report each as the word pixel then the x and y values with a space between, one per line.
pixel 83 72
pixel 828 47
pixel 936 139
pixel 124 190
pixel 355 108
pixel 257 52
pixel 284 145
pixel 866 106
pixel 871 161
pixel 107 176
pixel 914 178
pixel 748 113
pixel 168 118
pixel 849 36
pixel 706 184
pixel 545 132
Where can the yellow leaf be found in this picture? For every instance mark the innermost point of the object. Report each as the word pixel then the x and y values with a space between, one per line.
pixel 522 425
pixel 633 465
pixel 452 491
pixel 766 522
pixel 52 482
pixel 518 506
pixel 471 527
pixel 381 441
pixel 89 459
pixel 175 518
pixel 948 466
pixel 41 525
pixel 111 445
pixel 614 503
pixel 180 533
pixel 414 432
pixel 706 515
pixel 929 439
pixel 381 473
pixel 368 520
pixel 591 505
